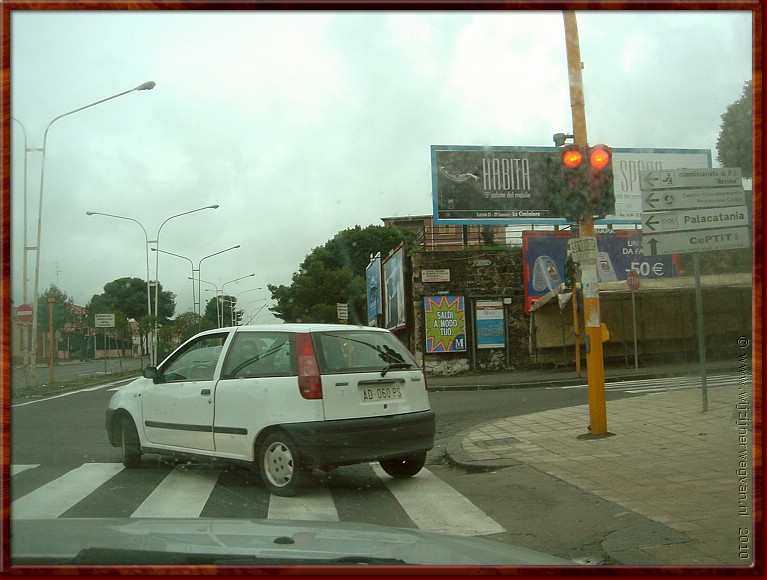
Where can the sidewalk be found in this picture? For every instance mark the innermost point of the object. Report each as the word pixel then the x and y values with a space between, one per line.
pixel 663 458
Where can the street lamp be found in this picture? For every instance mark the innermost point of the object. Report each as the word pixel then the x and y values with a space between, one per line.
pixel 157 268
pixel 195 303
pixel 146 248
pixel 219 311
pixel 149 85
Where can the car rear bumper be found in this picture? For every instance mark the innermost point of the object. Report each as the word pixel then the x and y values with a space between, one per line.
pixel 348 441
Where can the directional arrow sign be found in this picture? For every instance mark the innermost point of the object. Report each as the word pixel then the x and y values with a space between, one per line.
pixel 692 198
pixel 675 178
pixel 686 242
pixel 694 219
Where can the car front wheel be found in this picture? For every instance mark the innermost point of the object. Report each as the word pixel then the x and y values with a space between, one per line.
pixel 404 467
pixel 129 443
pixel 280 465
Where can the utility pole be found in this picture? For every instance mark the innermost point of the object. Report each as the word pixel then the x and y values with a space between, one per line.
pixel 589 276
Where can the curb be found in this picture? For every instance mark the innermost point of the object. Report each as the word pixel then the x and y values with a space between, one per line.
pixel 457 457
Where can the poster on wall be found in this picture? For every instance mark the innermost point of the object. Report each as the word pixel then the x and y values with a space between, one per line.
pixel 618 253
pixel 394 289
pixel 490 327
pixel 445 324
pixel 373 276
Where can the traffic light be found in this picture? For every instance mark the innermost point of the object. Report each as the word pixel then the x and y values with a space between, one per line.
pixel 580 183
pixel 570 271
pixel 600 181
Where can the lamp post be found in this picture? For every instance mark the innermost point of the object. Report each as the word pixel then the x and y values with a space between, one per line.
pixel 222 294
pixel 146 248
pixel 237 299
pixel 195 303
pixel 149 85
pixel 157 269
pixel 25 346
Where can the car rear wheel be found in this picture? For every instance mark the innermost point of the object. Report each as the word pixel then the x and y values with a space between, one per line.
pixel 404 467
pixel 281 468
pixel 129 443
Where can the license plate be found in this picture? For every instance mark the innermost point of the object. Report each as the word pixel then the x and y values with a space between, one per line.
pixel 383 393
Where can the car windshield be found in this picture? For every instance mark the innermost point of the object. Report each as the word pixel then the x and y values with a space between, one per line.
pixel 459 285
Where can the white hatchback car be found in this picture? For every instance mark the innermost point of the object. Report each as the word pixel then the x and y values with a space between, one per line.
pixel 282 398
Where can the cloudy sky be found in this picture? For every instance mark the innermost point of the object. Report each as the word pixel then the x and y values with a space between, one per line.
pixel 302 124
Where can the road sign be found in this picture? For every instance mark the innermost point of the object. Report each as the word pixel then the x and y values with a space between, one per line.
pixel 104 320
pixel 342 310
pixel 632 279
pixel 24 313
pixel 695 241
pixel 657 222
pixel 663 200
pixel 674 178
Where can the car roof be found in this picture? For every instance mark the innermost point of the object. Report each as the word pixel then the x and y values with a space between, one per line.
pixel 297 327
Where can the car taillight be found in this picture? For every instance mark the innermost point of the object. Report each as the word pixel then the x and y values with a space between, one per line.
pixel 309 380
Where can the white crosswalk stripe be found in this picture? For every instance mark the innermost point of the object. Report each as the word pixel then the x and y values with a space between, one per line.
pixel 315 504
pixel 430 503
pixel 182 494
pixel 56 497
pixel 22 468
pixel 446 511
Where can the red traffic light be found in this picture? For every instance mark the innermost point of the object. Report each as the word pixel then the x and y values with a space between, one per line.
pixel 600 156
pixel 572 156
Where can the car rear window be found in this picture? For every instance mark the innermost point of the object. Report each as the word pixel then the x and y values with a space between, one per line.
pixel 260 354
pixel 359 351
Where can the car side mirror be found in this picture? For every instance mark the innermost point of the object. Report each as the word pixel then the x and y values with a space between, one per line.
pixel 152 373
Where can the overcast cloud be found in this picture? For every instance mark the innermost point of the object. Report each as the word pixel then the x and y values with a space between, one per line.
pixel 303 124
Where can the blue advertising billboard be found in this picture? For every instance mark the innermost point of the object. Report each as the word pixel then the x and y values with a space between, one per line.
pixel 618 253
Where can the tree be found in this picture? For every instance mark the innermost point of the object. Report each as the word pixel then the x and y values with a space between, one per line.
pixel 335 273
pixel 128 295
pixel 127 298
pixel 735 143
pixel 62 312
pixel 222 306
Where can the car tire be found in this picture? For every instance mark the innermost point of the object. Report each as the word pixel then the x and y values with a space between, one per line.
pixel 129 443
pixel 280 465
pixel 404 467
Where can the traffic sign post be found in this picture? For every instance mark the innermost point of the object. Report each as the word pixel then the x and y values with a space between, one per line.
pixel 632 279
pixel 693 211
pixel 24 313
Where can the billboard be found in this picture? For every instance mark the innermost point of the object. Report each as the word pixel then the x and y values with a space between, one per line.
pixel 445 323
pixel 507 185
pixel 490 326
pixel 394 289
pixel 617 254
pixel 374 287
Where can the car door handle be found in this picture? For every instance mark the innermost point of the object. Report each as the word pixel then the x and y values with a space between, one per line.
pixel 205 392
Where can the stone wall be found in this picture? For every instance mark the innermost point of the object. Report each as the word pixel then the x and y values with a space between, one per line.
pixel 474 274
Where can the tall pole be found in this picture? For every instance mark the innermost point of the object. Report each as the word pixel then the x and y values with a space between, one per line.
pixel 157 271
pixel 146 251
pixel 589 275
pixel 149 85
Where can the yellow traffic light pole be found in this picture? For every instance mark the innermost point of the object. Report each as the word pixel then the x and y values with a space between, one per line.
pixel 589 277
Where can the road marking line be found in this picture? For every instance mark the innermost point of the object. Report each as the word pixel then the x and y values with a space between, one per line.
pixel 314 503
pixel 16 469
pixel 85 390
pixel 182 494
pixel 436 507
pixel 54 498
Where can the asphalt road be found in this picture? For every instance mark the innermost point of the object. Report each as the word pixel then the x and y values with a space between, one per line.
pixel 517 505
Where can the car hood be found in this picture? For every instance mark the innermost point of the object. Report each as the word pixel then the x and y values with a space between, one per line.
pixel 251 543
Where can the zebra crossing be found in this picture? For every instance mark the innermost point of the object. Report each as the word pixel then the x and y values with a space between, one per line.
pixel 362 493
pixel 663 385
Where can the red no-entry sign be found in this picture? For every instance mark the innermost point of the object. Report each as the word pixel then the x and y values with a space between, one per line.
pixel 24 313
